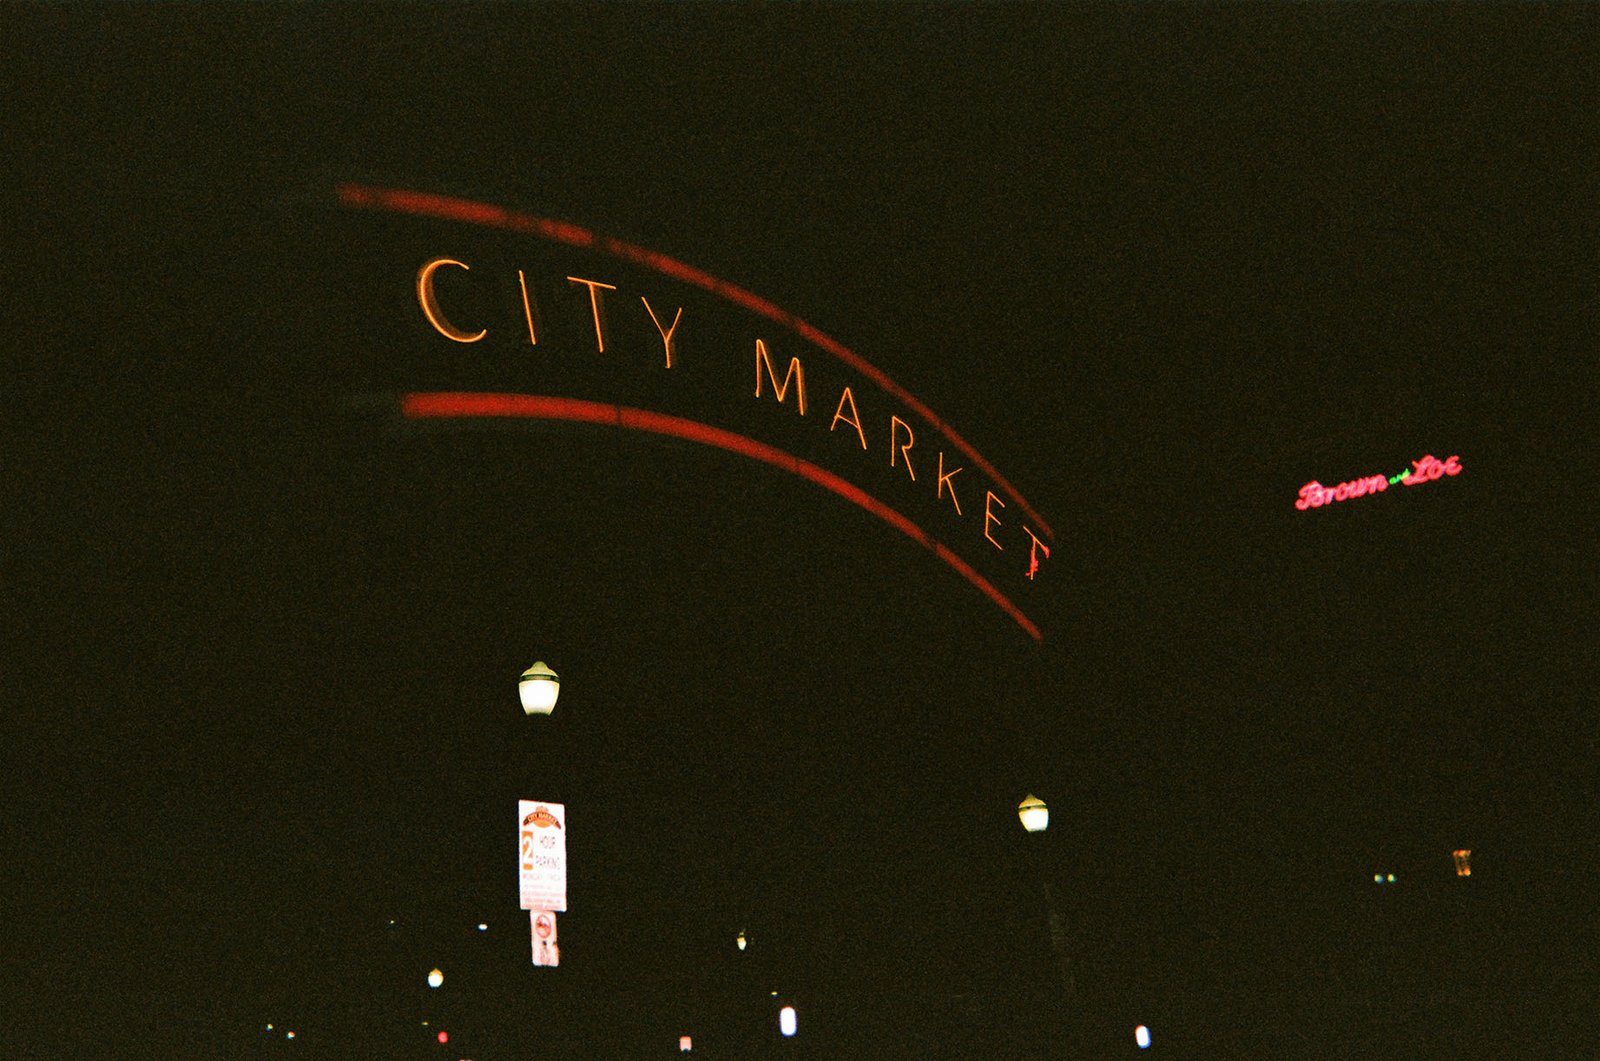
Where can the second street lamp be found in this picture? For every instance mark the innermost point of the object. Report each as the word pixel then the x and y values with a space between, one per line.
pixel 1034 814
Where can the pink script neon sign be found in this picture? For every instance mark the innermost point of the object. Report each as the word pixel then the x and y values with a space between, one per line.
pixel 1429 468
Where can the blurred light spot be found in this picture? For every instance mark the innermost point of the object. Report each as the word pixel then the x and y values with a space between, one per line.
pixel 1463 869
pixel 1377 878
pixel 786 1020
pixel 685 1044
pixel 444 1037
pixel 288 1035
pixel 269 1027
pixel 435 978
pixel 482 927
pixel 1141 1035
pixel 1390 878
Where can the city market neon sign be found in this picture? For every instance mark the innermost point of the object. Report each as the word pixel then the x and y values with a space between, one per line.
pixel 1017 540
pixel 1426 470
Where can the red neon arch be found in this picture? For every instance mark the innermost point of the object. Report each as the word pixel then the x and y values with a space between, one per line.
pixel 468 405
pixel 428 204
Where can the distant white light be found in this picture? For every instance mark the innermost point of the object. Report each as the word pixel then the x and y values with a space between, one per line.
pixel 435 978
pixel 288 1035
pixel 482 927
pixel 269 1027
pixel 786 1020
pixel 685 1044
pixel 1141 1035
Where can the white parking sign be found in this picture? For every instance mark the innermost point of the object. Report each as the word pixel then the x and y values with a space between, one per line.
pixel 542 855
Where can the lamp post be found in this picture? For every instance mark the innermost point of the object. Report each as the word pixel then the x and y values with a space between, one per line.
pixel 537 689
pixel 1034 814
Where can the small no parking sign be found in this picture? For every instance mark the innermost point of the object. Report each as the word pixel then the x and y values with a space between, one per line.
pixel 545 950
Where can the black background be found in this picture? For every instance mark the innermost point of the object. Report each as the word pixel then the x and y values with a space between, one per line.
pixel 1161 265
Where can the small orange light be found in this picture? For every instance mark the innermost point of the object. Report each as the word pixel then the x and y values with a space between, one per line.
pixel 1463 868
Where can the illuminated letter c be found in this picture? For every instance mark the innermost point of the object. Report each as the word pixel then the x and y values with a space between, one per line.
pixel 430 304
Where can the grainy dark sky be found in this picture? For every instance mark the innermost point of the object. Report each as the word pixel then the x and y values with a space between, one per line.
pixel 1162 265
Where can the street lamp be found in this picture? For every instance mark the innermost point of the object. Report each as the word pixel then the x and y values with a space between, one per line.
pixel 1035 818
pixel 539 686
pixel 1034 814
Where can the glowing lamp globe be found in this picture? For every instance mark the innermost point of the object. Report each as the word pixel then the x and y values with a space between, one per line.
pixel 538 688
pixel 1034 814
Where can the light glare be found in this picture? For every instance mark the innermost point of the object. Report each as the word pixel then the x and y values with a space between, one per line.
pixel 435 978
pixel 786 1020
pixel 1141 1035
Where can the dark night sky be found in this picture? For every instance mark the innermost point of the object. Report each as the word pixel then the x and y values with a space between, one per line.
pixel 1162 265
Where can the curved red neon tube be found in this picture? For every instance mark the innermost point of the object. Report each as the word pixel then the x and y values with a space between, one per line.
pixel 468 405
pixel 428 204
